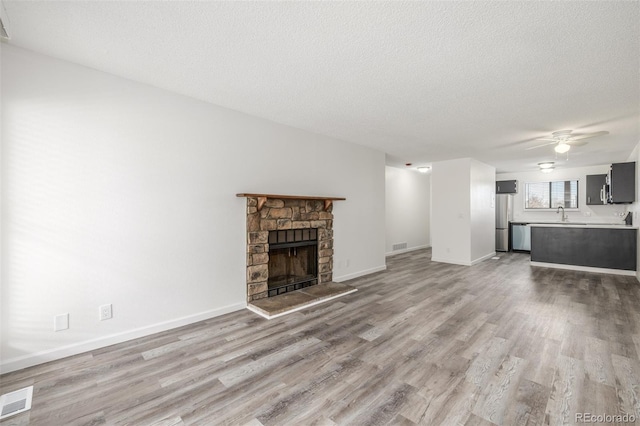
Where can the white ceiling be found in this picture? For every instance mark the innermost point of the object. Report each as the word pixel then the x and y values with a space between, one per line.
pixel 421 81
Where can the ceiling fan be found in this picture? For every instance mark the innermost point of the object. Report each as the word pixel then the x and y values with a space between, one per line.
pixel 564 139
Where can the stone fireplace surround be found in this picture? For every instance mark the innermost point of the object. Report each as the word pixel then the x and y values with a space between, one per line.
pixel 266 213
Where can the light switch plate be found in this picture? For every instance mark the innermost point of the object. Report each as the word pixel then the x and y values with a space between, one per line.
pixel 61 322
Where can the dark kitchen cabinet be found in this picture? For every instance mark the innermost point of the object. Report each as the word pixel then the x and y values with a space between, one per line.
pixel 506 187
pixel 622 183
pixel 610 248
pixel 596 189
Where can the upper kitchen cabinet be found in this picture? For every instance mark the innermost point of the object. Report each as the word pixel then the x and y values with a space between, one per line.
pixel 596 190
pixel 622 183
pixel 506 187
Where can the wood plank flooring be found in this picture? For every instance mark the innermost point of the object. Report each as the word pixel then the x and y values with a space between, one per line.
pixel 500 342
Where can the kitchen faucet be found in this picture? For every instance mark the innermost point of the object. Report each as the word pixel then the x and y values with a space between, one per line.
pixel 564 217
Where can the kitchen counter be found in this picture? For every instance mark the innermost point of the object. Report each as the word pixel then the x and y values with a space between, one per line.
pixel 582 225
pixel 606 247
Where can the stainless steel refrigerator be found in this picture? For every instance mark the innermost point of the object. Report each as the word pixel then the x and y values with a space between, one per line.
pixel 504 214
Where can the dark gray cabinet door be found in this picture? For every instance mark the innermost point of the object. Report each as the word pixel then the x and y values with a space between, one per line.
pixel 506 186
pixel 623 183
pixel 595 189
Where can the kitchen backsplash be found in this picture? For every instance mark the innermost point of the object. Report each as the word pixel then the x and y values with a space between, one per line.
pixel 599 214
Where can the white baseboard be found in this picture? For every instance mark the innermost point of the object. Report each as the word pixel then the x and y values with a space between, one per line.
pixel 391 253
pixel 483 258
pixel 29 360
pixel 452 261
pixel 584 268
pixel 463 262
pixel 359 274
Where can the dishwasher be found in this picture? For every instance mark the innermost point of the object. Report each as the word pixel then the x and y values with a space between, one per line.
pixel 521 237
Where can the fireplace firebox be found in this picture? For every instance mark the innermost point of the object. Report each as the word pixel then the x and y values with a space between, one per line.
pixel 293 260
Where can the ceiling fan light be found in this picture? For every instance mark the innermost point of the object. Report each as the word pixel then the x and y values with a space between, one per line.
pixel 546 165
pixel 547 170
pixel 562 147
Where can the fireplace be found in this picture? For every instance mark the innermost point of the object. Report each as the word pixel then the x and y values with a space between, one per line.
pixel 289 243
pixel 293 260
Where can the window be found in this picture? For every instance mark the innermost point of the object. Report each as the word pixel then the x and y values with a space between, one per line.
pixel 551 195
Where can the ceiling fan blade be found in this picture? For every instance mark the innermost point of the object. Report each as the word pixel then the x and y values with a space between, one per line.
pixel 572 143
pixel 540 146
pixel 547 139
pixel 588 135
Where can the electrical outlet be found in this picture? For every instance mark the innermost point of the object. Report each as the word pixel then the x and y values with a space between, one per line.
pixel 106 312
pixel 61 322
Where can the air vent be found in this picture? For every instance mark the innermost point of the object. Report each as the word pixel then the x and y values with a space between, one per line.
pixel 15 402
pixel 399 246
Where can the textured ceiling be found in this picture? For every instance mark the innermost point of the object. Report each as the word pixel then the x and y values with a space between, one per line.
pixel 421 81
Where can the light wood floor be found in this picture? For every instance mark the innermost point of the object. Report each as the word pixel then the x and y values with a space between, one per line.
pixel 421 343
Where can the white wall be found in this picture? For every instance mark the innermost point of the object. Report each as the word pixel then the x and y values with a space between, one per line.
pixel 407 211
pixel 585 213
pixel 483 212
pixel 635 207
pixel 462 212
pixel 117 192
pixel 450 211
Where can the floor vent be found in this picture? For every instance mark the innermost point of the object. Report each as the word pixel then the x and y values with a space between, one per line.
pixel 15 402
pixel 399 246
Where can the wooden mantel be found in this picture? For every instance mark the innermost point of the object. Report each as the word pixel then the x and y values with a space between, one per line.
pixel 262 198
